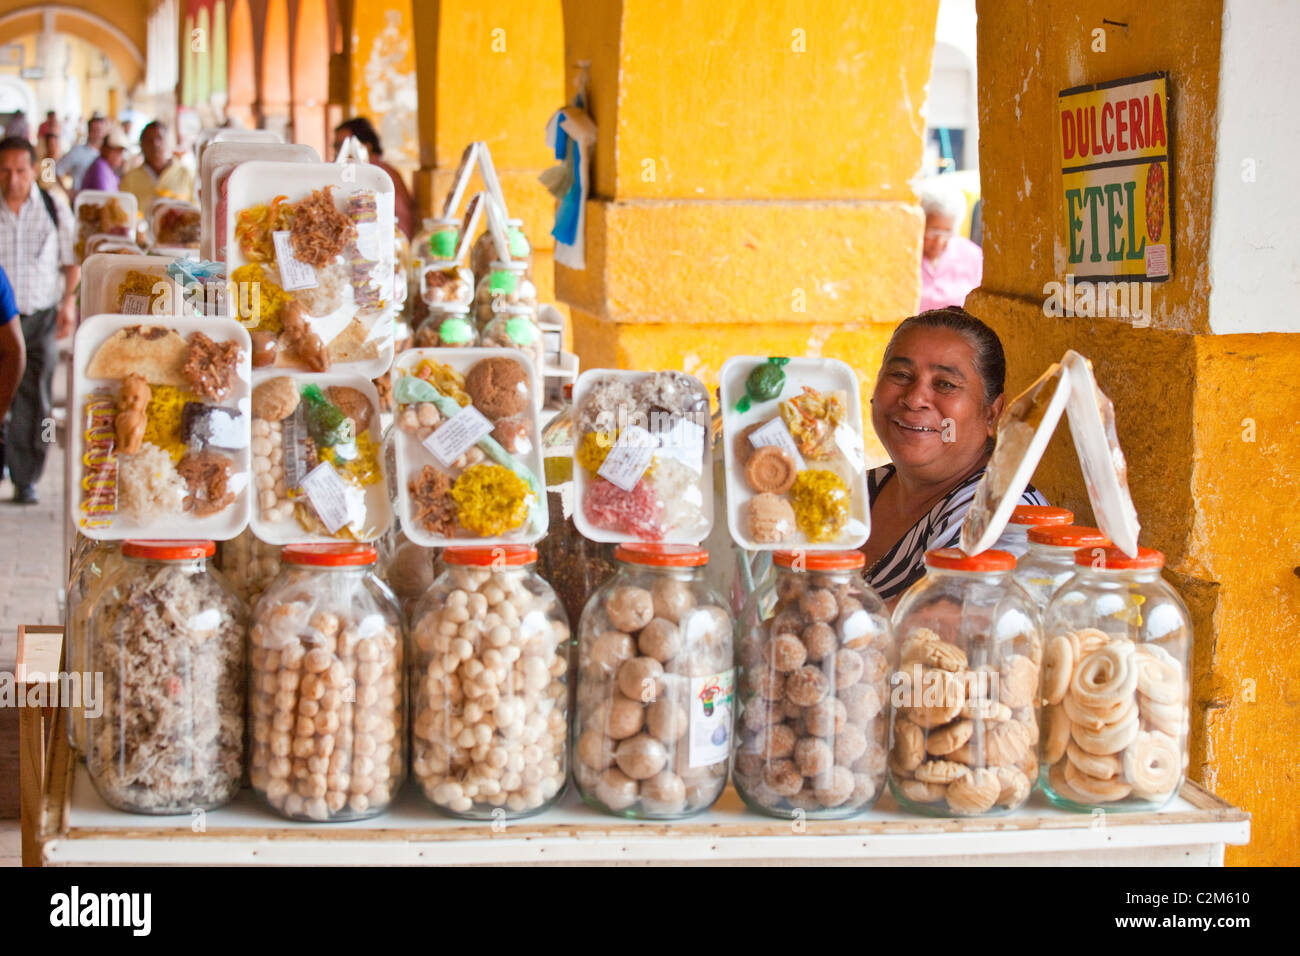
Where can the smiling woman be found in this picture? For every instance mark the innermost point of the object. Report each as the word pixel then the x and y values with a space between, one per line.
pixel 935 408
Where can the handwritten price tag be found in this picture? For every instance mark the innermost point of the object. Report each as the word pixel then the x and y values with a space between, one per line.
pixel 629 458
pixel 293 274
pixel 458 435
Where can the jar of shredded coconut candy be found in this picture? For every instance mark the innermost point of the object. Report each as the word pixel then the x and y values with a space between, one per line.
pixel 164 732
pixel 325 692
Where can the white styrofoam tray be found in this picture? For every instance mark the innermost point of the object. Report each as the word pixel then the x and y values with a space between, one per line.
pixel 378 509
pixel 229 153
pixel 102 273
pixel 256 183
pixel 223 525
pixel 825 375
pixel 581 481
pixel 412 456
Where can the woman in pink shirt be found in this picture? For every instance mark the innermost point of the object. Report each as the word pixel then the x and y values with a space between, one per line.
pixel 951 265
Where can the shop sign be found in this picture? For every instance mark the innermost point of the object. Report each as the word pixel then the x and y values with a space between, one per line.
pixel 1114 146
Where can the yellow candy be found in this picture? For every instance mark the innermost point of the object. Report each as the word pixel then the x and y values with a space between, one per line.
pixel 821 503
pixel 490 500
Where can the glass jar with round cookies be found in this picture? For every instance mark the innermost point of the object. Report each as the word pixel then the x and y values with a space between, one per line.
pixel 814 653
pixel 965 729
pixel 326 689
pixel 1115 685
pixel 656 687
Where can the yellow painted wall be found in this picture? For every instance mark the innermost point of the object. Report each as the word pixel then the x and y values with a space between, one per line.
pixel 383 77
pixel 806 99
pixel 1224 509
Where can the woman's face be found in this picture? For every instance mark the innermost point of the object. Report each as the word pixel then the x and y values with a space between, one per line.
pixel 928 407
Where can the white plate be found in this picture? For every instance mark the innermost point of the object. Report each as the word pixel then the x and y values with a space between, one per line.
pixel 221 526
pixel 255 183
pixel 412 456
pixel 230 152
pixel 581 480
pixel 102 273
pixel 990 510
pixel 1105 472
pixel 378 509
pixel 825 375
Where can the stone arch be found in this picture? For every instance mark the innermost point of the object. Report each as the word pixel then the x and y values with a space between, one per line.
pixel 120 48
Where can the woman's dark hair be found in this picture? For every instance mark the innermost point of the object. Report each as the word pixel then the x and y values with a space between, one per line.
pixel 364 130
pixel 990 361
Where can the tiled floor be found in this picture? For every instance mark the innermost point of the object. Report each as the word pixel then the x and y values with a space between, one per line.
pixel 31 577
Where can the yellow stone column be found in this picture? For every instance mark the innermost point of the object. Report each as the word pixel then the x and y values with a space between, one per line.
pixel 1210 422
pixel 751 179
pixel 491 70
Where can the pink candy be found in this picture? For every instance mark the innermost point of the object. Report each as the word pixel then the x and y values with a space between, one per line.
pixel 638 512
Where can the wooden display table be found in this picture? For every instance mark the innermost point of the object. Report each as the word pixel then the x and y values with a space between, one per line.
pixel 67 824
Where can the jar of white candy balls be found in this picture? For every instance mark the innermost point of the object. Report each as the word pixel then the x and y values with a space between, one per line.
pixel 326 696
pixel 656 687
pixel 489 684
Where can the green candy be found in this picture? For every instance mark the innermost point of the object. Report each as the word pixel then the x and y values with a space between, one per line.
pixel 326 423
pixel 443 244
pixel 502 282
pixel 764 383
pixel 455 331
pixel 521 330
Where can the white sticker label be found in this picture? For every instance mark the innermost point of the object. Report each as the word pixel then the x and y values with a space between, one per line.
pixel 685 442
pixel 1157 260
pixel 629 458
pixel 293 274
pixel 775 433
pixel 458 435
pixel 712 699
pixel 328 494
pixel 368 240
pixel 134 304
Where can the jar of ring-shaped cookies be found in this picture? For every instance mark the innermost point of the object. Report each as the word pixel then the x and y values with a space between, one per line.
pixel 815 657
pixel 965 727
pixel 656 687
pixel 325 689
pixel 1115 685
pixel 1049 562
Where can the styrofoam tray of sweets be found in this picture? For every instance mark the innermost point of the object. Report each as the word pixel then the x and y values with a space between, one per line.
pixel 310 257
pixel 160 427
pixel 216 163
pixel 128 285
pixel 99 211
pixel 793 447
pixel 469 454
pixel 642 457
pixel 318 461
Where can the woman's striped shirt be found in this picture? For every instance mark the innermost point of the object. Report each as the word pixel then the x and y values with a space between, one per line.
pixel 904 564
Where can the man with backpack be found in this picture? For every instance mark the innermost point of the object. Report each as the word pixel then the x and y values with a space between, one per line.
pixel 37 232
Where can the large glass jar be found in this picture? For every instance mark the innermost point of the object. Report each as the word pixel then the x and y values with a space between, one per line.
pixel 447 327
pixel 1115 685
pixel 656 687
pixel 484 252
pixel 167 634
pixel 489 685
pixel 515 327
pixel 814 657
pixel 1049 562
pixel 94 562
pixel 325 695
pixel 1015 537
pixel 969 650
pixel 507 284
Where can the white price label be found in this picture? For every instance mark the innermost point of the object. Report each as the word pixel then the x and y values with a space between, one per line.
pixel 775 433
pixel 328 494
pixel 458 435
pixel 293 274
pixel 629 458
pixel 712 699
pixel 135 304
pixel 685 442
pixel 368 240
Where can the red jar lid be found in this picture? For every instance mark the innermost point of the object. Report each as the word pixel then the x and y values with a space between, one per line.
pixel 329 555
pixel 1039 515
pixel 662 555
pixel 1069 536
pixel 169 550
pixel 819 560
pixel 1113 559
pixel 502 555
pixel 954 559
